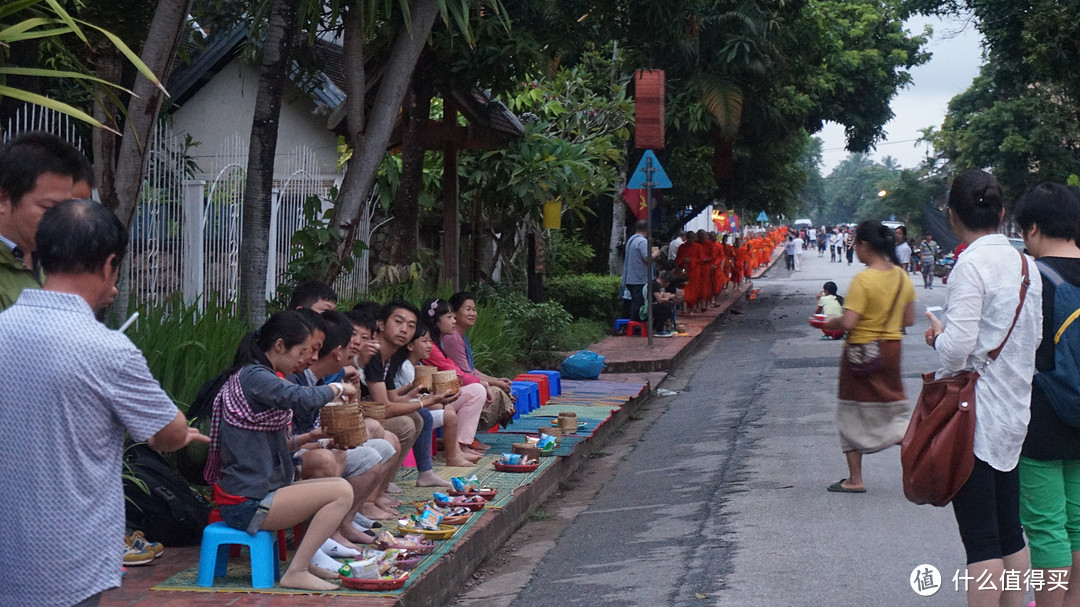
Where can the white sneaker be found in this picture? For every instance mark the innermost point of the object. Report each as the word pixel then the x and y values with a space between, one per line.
pixel 334 549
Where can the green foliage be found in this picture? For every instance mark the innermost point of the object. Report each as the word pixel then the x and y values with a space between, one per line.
pixel 496 343
pixel 313 246
pixel 592 296
pixel 566 254
pixel 1027 136
pixel 184 347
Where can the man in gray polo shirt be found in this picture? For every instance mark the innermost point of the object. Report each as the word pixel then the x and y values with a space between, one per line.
pixel 78 388
pixel 636 267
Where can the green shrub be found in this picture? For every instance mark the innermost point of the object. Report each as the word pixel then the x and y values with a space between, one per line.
pixel 496 343
pixel 592 296
pixel 184 347
pixel 566 254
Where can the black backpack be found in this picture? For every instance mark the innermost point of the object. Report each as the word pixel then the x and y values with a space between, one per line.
pixel 167 511
pixel 191 460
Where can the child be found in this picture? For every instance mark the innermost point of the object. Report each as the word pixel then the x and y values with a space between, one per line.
pixel 830 304
pixel 442 417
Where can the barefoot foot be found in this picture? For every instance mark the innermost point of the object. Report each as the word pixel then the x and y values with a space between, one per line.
pixel 304 580
pixel 428 478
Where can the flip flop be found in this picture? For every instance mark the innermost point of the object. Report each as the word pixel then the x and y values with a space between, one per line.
pixel 838 487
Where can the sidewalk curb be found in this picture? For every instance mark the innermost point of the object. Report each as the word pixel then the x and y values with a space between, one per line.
pixel 445 578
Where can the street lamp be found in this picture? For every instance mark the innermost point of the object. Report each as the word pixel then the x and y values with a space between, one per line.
pixel 882 194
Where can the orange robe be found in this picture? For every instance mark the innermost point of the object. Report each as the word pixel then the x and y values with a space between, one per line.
pixel 719 275
pixel 685 259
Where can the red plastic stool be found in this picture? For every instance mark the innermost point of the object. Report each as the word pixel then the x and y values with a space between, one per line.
pixel 542 381
pixel 635 325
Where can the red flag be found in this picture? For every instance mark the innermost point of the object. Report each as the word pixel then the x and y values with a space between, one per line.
pixel 636 200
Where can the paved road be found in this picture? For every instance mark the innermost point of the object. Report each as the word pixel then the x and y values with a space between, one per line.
pixel 722 501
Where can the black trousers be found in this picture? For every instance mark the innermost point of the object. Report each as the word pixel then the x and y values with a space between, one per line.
pixel 637 299
pixel 661 313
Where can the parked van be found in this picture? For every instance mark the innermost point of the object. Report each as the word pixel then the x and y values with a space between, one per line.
pixel 803 224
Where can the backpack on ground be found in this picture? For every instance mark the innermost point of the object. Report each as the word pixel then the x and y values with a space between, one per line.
pixel 1061 385
pixel 167 510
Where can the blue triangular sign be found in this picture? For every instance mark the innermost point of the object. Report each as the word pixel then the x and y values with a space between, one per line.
pixel 762 216
pixel 660 179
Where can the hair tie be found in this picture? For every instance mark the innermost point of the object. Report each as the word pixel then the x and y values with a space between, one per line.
pixel 434 305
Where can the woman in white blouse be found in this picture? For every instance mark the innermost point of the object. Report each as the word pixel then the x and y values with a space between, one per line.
pixel 984 290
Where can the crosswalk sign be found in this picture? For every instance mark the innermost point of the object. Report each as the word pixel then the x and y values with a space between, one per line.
pixel 660 179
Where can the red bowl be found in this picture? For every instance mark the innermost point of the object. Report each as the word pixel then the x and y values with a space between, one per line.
pixel 409 563
pixel 501 467
pixel 358 584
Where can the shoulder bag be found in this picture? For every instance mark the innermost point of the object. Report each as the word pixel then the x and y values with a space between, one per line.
pixel 864 359
pixel 938 450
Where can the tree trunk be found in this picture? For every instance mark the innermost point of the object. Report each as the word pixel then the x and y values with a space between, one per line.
pixel 158 53
pixel 255 233
pixel 618 226
pixel 451 238
pixel 370 137
pixel 109 66
pixel 406 206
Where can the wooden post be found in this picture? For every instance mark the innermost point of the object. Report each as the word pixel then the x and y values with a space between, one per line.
pixel 451 227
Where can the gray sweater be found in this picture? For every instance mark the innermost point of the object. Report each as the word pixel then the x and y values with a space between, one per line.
pixel 254 463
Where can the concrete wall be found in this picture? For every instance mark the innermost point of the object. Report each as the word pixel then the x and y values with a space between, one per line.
pixel 223 108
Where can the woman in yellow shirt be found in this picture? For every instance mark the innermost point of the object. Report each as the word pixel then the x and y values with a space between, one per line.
pixel 872 410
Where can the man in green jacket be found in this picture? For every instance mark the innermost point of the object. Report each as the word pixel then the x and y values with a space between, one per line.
pixel 37 171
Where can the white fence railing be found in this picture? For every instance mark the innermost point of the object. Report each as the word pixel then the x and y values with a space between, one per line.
pixel 185 236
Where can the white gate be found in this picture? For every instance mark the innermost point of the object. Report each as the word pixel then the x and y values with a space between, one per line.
pixel 221 225
pixel 155 250
pixel 32 117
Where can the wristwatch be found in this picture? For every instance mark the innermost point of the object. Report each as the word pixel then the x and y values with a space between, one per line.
pixel 340 387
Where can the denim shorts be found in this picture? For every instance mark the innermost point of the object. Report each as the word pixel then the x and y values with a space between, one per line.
pixel 248 514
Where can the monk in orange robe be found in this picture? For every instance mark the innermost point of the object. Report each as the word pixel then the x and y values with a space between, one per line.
pixel 704 270
pixel 685 259
pixel 719 275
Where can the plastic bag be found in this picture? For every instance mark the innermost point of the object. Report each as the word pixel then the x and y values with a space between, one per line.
pixel 583 365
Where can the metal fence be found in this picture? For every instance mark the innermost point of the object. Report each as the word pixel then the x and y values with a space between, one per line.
pixel 185 236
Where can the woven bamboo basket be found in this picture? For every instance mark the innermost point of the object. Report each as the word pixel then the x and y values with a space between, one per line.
pixel 373 409
pixel 424 377
pixel 526 450
pixel 568 422
pixel 345 423
pixel 552 431
pixel 446 381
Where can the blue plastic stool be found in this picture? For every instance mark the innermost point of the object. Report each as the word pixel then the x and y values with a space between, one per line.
pixel 527 393
pixel 214 554
pixel 620 323
pixel 554 382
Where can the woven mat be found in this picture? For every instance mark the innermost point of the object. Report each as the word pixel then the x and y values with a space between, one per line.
pixel 503 441
pixel 238 578
pixel 532 425
pixel 584 412
pixel 592 401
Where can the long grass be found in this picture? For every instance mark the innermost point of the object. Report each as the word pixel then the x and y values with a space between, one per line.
pixel 184 347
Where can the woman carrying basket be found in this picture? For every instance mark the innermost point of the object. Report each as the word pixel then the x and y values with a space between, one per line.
pixel 872 410
pixel 982 308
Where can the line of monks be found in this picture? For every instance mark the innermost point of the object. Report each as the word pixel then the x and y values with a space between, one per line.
pixel 708 264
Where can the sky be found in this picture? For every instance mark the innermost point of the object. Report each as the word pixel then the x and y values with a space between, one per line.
pixel 956 58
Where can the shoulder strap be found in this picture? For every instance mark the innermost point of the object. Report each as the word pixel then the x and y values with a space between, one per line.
pixel 1025 282
pixel 1050 273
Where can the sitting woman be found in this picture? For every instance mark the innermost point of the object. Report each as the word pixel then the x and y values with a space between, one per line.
pixel 442 416
pixel 456 345
pixel 830 304
pixel 249 463
pixel 439 319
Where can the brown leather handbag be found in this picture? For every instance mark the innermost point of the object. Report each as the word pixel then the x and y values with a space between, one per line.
pixel 938 450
